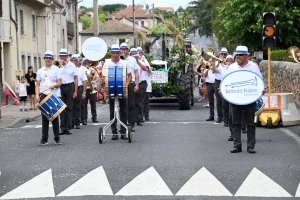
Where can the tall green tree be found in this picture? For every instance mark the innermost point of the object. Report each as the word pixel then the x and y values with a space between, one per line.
pixel 201 12
pixel 101 18
pixel 241 22
pixel 87 21
pixel 113 7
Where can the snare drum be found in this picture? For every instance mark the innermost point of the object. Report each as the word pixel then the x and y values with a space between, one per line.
pixel 51 106
pixel 259 106
pixel 115 81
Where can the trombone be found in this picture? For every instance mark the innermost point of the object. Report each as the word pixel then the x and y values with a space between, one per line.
pixel 209 53
pixel 293 52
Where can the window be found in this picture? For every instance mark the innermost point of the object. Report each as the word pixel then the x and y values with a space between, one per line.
pixel 24 64
pixel 1 12
pixel 35 67
pixel 121 41
pixel 143 23
pixel 29 61
pixel 22 22
pixel 58 38
pixel 33 26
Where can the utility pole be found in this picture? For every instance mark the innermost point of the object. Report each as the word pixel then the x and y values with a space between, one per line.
pixel 76 25
pixel 153 14
pixel 133 9
pixel 96 24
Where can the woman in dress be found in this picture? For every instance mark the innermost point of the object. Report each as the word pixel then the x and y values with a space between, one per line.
pixel 31 76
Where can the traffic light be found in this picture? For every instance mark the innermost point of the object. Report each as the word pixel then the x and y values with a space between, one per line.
pixel 269 30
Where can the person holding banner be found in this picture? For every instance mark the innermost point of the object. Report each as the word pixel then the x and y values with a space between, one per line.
pixel 48 76
pixel 133 86
pixel 69 89
pixel 242 63
pixel 116 61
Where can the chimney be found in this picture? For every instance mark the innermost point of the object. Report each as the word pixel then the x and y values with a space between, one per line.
pixel 147 9
pixel 123 20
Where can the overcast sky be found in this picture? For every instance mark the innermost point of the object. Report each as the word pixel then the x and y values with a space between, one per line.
pixel 157 3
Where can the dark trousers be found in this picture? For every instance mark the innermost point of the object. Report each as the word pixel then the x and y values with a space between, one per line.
pixel 83 111
pixel 77 107
pixel 131 104
pixel 225 105
pixel 146 105
pixel 67 91
pixel 139 101
pixel 92 98
pixel 210 93
pixel 249 113
pixel 230 120
pixel 219 100
pixel 123 114
pixel 45 125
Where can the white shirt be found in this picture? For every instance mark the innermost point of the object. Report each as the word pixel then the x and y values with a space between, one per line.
pixel 217 75
pixel 81 75
pixel 131 66
pixel 223 70
pixel 68 73
pixel 108 63
pixel 22 89
pixel 210 77
pixel 250 66
pixel 53 73
pixel 148 79
pixel 89 71
pixel 142 73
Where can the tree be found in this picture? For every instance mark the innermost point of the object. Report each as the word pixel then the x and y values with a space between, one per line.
pixel 201 11
pixel 87 22
pixel 242 22
pixel 101 18
pixel 113 7
pixel 180 9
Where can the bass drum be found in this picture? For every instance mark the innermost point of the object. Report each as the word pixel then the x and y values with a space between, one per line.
pixel 259 106
pixel 116 81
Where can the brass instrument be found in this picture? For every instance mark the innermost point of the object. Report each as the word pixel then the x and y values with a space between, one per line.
pixel 293 52
pixel 56 63
pixel 122 57
pixel 93 73
pixel 209 53
pixel 207 64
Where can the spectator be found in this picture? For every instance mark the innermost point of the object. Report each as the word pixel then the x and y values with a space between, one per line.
pixel 253 59
pixel 23 93
pixel 31 76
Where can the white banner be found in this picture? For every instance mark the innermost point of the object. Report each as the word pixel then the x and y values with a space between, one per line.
pixel 242 87
pixel 159 77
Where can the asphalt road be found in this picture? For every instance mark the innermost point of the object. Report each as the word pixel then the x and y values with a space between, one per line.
pixel 177 155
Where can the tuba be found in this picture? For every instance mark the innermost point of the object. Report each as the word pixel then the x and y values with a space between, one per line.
pixel 93 73
pixel 293 52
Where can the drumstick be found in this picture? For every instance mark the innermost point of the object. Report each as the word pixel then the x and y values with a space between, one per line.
pixel 45 90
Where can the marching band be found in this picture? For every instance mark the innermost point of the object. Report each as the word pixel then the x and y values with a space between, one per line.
pixel 75 83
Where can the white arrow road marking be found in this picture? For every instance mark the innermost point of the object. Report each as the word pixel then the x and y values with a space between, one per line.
pixel 93 183
pixel 257 184
pixel 40 186
pixel 147 183
pixel 203 183
pixel 298 191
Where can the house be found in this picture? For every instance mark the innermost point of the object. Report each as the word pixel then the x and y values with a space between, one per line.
pixel 27 29
pixel 112 32
pixel 144 17
pixel 168 9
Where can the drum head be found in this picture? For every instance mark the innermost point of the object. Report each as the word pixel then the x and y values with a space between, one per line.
pixel 94 48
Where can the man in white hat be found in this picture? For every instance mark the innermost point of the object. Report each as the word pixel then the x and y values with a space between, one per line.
pixel 140 95
pixel 116 61
pixel 68 89
pixel 242 63
pixel 81 91
pixel 48 76
pixel 133 86
pixel 147 92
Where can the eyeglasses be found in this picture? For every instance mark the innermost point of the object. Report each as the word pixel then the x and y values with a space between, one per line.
pixel 48 58
pixel 240 54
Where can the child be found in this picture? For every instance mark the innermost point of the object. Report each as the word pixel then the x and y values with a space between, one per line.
pixel 23 92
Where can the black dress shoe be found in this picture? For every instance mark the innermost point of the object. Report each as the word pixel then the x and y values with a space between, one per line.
pixel 124 137
pixel 236 150
pixel 230 138
pixel 250 150
pixel 147 119
pixel 95 121
pixel 62 132
pixel 142 121
pixel 84 123
pixel 139 124
pixel 115 137
pixel 226 124
pixel 219 121
pixel 68 132
pixel 77 126
pixel 210 119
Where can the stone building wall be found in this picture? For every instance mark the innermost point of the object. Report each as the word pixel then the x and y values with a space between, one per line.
pixel 284 77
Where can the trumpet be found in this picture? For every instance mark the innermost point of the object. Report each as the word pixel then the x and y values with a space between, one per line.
pixel 56 63
pixel 209 53
pixel 122 57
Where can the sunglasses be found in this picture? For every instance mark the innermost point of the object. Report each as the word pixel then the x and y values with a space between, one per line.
pixel 115 52
pixel 48 58
pixel 240 54
pixel 223 53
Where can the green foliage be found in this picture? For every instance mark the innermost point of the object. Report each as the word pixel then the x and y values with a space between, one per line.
pixel 113 7
pixel 168 88
pixel 159 29
pixel 101 18
pixel 280 55
pixel 240 22
pixel 87 22
pixel 148 57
